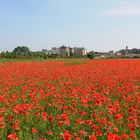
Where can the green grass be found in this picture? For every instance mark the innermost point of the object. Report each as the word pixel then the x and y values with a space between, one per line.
pixel 22 60
pixel 76 63
pixel 43 60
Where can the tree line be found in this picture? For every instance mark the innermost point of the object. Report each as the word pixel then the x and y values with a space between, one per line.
pixel 23 52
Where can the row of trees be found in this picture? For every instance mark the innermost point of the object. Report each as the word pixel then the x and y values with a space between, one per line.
pixel 23 52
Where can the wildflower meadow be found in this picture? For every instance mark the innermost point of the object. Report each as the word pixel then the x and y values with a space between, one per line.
pixel 68 100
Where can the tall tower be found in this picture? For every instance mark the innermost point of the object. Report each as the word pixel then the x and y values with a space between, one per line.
pixel 126 51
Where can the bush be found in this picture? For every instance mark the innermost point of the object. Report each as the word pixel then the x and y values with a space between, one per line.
pixel 90 56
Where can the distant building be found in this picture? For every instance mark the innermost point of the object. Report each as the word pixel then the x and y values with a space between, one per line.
pixel 133 55
pixel 71 51
pixel 111 53
pixel 126 51
pixel 118 54
pixel 44 50
pixel 80 51
pixel 101 54
pixel 55 50
pixel 64 51
pixel 104 55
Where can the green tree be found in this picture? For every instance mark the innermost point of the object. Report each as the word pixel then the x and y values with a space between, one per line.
pixel 90 55
pixel 3 54
pixel 21 50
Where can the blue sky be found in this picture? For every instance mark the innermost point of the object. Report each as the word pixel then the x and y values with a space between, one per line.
pixel 99 25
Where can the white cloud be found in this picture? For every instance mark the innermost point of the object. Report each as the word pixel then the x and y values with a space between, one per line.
pixel 126 9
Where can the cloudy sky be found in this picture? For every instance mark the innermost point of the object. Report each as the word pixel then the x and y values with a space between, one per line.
pixel 100 25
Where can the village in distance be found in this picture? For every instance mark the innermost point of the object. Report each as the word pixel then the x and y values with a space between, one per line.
pixel 23 52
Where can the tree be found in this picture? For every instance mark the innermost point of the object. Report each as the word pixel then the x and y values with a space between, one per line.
pixel 134 51
pixel 3 54
pixel 90 55
pixel 21 50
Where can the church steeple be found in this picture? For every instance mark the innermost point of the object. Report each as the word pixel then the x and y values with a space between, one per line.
pixel 126 51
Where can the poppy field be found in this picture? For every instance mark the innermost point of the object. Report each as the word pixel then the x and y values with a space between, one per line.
pixel 68 100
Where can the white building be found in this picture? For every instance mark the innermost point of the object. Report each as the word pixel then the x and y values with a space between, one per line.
pixel 111 53
pixel 55 50
pixel 64 50
pixel 80 51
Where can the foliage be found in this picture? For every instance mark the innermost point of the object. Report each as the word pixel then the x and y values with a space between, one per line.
pixel 90 55
pixel 21 50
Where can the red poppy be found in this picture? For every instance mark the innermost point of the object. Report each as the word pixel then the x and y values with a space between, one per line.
pixel 34 130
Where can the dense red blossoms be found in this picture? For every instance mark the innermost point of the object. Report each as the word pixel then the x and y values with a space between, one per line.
pixel 92 100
